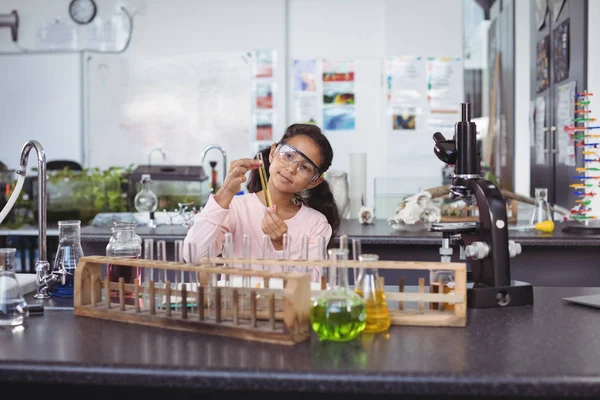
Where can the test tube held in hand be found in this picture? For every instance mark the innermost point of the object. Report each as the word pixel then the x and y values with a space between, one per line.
pixel 264 181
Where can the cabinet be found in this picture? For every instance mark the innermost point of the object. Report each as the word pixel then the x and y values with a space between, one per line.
pixel 547 169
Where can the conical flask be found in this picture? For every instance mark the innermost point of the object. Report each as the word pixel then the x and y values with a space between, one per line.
pixel 338 314
pixel 541 211
pixel 369 287
pixel 67 256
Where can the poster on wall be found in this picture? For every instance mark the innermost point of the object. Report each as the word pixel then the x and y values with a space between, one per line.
pixel 560 51
pixel 540 135
pixel 306 98
pixel 444 91
pixel 565 111
pixel 264 65
pixel 542 68
pixel 338 95
pixel 405 81
pixel 264 125
pixel 264 95
pixel 264 89
pixel 305 75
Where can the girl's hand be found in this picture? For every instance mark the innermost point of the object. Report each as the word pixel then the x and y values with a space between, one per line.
pixel 236 175
pixel 273 225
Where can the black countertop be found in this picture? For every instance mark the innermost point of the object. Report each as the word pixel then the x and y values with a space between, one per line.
pixel 548 349
pixel 378 233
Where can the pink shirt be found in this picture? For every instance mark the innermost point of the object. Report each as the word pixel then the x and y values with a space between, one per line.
pixel 244 216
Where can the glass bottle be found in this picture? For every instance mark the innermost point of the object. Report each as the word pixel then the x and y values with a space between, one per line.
pixel 145 200
pixel 441 281
pixel 369 287
pixel 13 307
pixel 122 223
pixel 125 244
pixel 541 210
pixel 67 256
pixel 338 314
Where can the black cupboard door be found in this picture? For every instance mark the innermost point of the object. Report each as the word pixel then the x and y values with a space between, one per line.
pixel 552 173
pixel 542 159
pixel 573 14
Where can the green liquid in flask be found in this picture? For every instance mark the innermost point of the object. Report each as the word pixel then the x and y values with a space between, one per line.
pixel 338 320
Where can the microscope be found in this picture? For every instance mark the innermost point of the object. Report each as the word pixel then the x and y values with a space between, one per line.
pixel 484 244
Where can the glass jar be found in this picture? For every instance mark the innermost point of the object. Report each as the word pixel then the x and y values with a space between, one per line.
pixel 118 224
pixel 338 314
pixel 67 256
pixel 125 244
pixel 441 281
pixel 369 287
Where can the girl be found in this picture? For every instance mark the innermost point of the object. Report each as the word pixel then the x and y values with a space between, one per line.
pixel 302 203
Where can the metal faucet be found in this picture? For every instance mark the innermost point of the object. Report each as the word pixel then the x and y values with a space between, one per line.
pixel 44 277
pixel 217 147
pixel 164 155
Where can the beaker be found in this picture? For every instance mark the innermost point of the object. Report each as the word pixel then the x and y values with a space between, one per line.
pixel 13 308
pixel 541 210
pixel 338 314
pixel 67 256
pixel 369 287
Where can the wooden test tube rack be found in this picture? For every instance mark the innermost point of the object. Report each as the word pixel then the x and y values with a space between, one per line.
pixel 275 315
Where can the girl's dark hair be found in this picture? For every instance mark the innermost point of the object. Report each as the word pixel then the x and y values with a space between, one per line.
pixel 320 197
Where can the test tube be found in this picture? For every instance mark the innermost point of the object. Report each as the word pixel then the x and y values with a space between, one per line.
pixel 343 241
pixel 161 255
pixel 266 249
pixel 178 257
pixel 304 250
pixel 227 253
pixel 191 251
pixel 286 248
pixel 323 255
pixel 356 252
pixel 148 272
pixel 246 256
pixel 262 171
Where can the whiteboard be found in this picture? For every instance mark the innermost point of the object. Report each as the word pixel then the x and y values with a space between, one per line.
pixel 180 104
pixel 40 100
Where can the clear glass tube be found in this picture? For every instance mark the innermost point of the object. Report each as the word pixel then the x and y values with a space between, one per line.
pixel 343 241
pixel 286 239
pixel 356 252
pixel 227 254
pixel 323 256
pixel 246 256
pixel 266 250
pixel 148 272
pixel 304 250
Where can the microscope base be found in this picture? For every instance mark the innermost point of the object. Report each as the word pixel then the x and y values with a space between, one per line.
pixel 517 294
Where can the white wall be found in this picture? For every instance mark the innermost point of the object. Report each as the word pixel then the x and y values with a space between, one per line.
pixel 368 31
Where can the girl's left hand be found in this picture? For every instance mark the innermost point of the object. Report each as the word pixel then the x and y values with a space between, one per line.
pixel 273 225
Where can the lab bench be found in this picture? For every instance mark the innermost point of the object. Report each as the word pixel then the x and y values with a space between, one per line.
pixel 556 259
pixel 549 349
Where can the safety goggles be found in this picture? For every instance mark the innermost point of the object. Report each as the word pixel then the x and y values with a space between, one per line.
pixel 305 168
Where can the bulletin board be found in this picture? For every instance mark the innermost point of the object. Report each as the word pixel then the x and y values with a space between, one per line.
pixel 180 104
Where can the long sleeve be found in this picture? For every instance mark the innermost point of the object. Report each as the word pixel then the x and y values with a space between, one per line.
pixel 210 224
